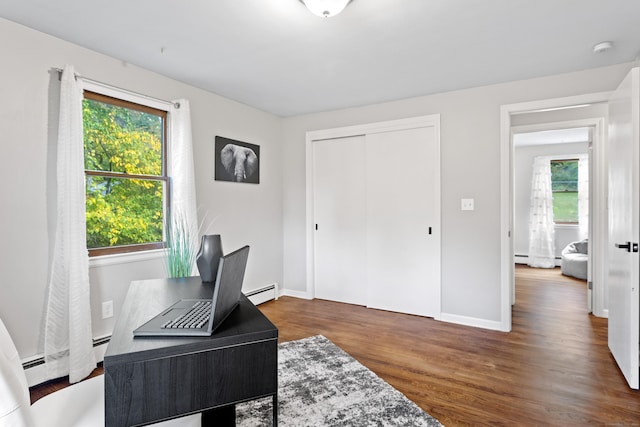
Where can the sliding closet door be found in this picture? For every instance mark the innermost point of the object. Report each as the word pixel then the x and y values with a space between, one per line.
pixel 339 211
pixel 403 221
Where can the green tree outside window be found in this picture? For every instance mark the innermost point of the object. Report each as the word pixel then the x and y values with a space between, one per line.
pixel 125 173
pixel 564 184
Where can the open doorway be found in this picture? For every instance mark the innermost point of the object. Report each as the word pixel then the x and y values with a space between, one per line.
pixel 586 111
pixel 551 211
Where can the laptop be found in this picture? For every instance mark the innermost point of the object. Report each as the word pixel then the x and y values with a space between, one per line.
pixel 200 317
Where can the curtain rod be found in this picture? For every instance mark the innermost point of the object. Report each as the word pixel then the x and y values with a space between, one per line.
pixel 78 76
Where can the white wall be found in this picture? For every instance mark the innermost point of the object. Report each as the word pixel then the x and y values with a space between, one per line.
pixel 523 168
pixel 246 213
pixel 470 164
pixel 271 216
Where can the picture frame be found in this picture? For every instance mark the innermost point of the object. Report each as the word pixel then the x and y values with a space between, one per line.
pixel 236 161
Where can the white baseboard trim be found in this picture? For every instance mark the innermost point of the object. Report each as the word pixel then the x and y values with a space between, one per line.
pixel 36 371
pixel 471 321
pixel 295 294
pixel 444 317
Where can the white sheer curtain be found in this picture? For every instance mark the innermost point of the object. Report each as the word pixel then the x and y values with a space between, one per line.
pixel 183 192
pixel 541 225
pixel 68 343
pixel 583 195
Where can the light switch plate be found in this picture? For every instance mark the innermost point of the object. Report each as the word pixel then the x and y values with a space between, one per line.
pixel 466 204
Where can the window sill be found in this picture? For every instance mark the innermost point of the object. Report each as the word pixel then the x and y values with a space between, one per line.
pixel 567 226
pixel 125 258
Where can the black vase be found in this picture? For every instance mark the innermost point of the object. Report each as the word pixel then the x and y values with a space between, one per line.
pixel 208 257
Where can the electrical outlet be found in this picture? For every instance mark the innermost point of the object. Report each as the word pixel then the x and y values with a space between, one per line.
pixel 107 309
pixel 466 204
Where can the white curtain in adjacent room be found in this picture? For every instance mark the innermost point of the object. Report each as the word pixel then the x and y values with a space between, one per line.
pixel 68 343
pixel 183 192
pixel 583 195
pixel 541 225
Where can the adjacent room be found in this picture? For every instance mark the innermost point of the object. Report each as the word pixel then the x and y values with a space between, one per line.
pixel 408 213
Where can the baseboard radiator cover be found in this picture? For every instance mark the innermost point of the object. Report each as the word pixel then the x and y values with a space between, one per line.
pixel 35 368
pixel 266 293
pixel 524 259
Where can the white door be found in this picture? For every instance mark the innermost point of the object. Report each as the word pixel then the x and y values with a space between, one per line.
pixel 624 232
pixel 592 220
pixel 403 221
pixel 339 212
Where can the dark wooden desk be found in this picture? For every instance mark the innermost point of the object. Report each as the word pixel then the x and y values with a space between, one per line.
pixel 153 379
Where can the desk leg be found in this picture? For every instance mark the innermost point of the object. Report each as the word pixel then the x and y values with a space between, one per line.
pixel 224 416
pixel 275 410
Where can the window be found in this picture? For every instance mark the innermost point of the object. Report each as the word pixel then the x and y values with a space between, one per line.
pixel 125 171
pixel 564 184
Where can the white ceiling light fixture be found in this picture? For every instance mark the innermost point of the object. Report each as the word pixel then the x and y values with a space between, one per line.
pixel 325 8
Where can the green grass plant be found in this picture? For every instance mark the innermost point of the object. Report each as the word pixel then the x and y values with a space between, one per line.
pixel 181 248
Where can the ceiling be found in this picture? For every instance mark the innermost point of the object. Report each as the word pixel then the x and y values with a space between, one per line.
pixel 276 56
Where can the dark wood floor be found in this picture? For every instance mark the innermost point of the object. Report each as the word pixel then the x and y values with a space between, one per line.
pixel 554 368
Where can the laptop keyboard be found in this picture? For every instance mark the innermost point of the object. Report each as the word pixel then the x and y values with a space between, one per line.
pixel 196 317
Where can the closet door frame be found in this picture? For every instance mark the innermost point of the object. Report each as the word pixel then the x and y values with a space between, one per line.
pixel 357 130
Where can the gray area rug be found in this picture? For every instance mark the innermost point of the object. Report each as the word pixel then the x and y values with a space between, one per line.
pixel 321 385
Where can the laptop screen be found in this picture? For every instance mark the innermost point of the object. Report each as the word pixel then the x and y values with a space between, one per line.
pixel 228 288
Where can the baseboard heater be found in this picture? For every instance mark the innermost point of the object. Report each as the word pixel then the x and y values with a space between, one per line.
pixel 35 369
pixel 524 259
pixel 521 259
pixel 263 294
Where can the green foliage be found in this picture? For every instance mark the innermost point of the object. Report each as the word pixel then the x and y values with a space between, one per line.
pixel 564 183
pixel 181 249
pixel 564 175
pixel 122 210
pixel 565 206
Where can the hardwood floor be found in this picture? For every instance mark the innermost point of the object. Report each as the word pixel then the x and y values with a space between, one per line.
pixel 43 389
pixel 554 368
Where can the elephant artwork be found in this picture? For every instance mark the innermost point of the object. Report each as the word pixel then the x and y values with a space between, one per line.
pixel 237 161
pixel 241 162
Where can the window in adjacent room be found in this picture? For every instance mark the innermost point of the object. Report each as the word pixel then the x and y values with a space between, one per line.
pixel 564 184
pixel 126 174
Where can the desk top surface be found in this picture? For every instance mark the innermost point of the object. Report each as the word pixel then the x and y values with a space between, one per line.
pixel 147 298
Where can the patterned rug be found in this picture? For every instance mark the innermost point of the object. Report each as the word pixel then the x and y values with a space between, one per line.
pixel 321 385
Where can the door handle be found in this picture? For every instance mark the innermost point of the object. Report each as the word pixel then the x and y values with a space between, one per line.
pixel 626 246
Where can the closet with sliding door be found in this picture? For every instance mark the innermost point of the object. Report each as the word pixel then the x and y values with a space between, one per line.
pixel 374 212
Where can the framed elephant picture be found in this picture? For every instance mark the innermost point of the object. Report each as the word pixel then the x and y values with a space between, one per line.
pixel 236 161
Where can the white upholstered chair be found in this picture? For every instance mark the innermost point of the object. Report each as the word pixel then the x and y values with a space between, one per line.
pixel 575 259
pixel 79 405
